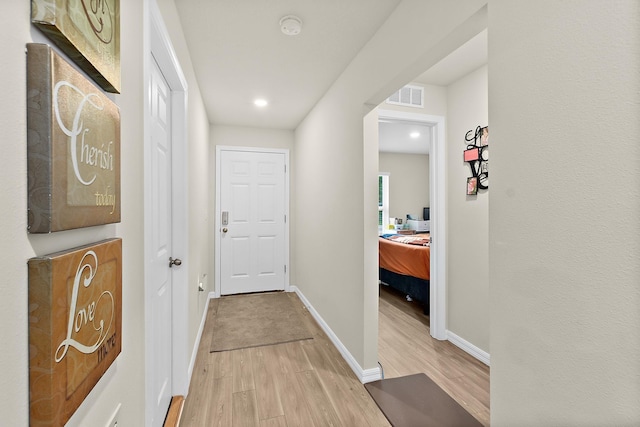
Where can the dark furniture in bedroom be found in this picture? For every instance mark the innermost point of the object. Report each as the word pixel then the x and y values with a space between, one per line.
pixel 404 264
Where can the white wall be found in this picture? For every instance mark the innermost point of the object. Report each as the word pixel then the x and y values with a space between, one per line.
pixel 124 381
pixel 408 183
pixel 564 228
pixel 336 171
pixel 16 248
pixel 241 136
pixel 123 378
pixel 467 216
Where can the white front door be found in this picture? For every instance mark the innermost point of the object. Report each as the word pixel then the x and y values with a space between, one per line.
pixel 161 248
pixel 252 213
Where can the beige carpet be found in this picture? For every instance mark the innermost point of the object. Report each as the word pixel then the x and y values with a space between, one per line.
pixel 243 321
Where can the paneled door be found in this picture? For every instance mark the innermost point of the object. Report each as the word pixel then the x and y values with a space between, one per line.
pixel 252 211
pixel 161 292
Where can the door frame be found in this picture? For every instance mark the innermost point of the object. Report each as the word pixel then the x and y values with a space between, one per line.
pixel 157 46
pixel 217 223
pixel 437 195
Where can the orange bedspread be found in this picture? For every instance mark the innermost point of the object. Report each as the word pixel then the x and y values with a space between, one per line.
pixel 410 260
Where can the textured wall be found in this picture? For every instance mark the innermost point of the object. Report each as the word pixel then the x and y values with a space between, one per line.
pixel 408 183
pixel 336 170
pixel 467 216
pixel 564 103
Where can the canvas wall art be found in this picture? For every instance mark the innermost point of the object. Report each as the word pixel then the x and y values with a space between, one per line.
pixel 73 147
pixel 86 30
pixel 75 327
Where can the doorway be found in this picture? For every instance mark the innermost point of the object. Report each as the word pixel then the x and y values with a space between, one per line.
pixel 165 225
pixel 437 185
pixel 252 220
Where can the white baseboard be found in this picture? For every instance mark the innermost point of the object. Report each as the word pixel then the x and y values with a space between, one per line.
pixel 465 345
pixel 196 345
pixel 364 375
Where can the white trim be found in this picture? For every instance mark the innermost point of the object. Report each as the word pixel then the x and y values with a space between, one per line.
pixel 364 375
pixel 437 188
pixel 196 345
pixel 217 221
pixel 369 375
pixel 157 46
pixel 385 201
pixel 465 345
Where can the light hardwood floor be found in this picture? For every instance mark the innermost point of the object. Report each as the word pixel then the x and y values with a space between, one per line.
pixel 405 347
pixel 308 383
pixel 302 383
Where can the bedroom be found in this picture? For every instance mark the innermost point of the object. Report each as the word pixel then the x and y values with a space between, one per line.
pixel 462 99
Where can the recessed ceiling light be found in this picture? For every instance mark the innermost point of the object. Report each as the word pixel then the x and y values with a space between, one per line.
pixel 414 135
pixel 260 102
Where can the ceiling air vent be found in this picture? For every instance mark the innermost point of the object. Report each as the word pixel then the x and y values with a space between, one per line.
pixel 409 96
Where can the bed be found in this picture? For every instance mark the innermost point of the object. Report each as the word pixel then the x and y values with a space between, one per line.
pixel 404 262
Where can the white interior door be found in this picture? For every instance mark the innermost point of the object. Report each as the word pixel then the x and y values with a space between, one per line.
pixel 161 292
pixel 252 213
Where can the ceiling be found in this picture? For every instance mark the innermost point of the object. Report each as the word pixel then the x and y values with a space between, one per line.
pixel 394 136
pixel 239 54
pixel 467 58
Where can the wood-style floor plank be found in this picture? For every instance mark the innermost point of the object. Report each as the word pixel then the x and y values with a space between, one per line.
pixel 296 356
pixel 308 383
pixel 221 364
pixel 320 407
pixel 337 388
pixel 196 405
pixel 242 370
pixel 220 410
pixel 274 422
pixel 245 409
pixel 264 374
pixel 294 403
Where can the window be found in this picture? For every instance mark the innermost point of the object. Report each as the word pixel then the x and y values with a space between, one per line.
pixel 408 96
pixel 383 201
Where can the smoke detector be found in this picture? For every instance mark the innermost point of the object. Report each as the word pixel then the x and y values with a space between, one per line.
pixel 291 25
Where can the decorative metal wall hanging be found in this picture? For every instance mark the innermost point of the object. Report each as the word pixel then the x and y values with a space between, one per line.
pixel 73 147
pixel 86 30
pixel 477 156
pixel 75 327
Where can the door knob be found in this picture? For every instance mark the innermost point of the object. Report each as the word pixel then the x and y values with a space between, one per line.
pixel 173 262
pixel 224 230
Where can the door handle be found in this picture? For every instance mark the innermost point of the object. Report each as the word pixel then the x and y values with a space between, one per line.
pixel 173 262
pixel 224 230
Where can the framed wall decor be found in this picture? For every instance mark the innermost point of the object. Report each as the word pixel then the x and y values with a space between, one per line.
pixel 75 327
pixel 477 156
pixel 73 147
pixel 86 30
pixel 472 185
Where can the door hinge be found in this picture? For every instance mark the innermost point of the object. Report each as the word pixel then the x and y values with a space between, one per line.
pixel 285 168
pixel 285 219
pixel 285 269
